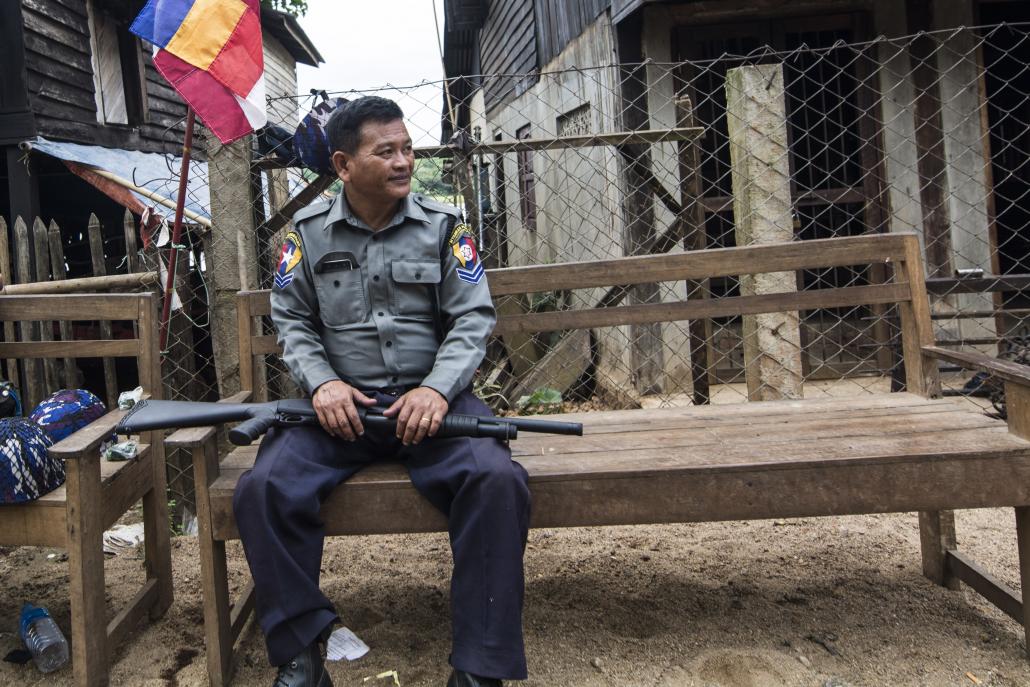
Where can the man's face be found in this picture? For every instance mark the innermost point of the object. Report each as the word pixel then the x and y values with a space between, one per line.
pixel 380 169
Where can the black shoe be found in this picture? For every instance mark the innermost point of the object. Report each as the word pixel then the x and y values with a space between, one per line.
pixel 307 669
pixel 459 678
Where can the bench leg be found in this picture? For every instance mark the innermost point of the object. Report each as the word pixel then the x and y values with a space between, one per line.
pixel 936 537
pixel 157 534
pixel 86 572
pixel 1023 538
pixel 213 571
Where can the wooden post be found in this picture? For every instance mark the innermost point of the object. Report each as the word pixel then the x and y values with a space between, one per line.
pixel 692 216
pixel 46 327
pixel 132 259
pixel 757 121
pixel 96 248
pixel 7 277
pixel 180 380
pixel 230 251
pixel 929 135
pixel 647 347
pixel 1017 406
pixel 22 183
pixel 32 389
pixel 72 377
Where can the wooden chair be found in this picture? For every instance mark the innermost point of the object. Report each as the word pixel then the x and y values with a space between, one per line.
pixel 97 492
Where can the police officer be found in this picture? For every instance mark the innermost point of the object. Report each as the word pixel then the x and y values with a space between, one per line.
pixel 380 298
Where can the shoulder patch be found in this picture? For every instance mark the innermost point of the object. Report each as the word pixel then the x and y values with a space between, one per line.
pixel 312 210
pixel 463 246
pixel 288 260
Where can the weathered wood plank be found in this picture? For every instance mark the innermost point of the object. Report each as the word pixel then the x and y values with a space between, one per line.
pixel 131 246
pixel 57 267
pixel 41 253
pixel 32 390
pixel 691 310
pixel 77 307
pixel 972 360
pixel 695 496
pixel 7 277
pixel 719 262
pixel 992 589
pixel 96 247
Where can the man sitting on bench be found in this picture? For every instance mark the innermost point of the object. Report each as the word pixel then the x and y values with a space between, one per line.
pixel 380 298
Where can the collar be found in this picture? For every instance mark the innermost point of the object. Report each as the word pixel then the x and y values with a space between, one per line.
pixel 340 212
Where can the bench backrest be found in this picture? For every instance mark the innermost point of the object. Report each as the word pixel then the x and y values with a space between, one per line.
pixel 904 286
pixel 139 342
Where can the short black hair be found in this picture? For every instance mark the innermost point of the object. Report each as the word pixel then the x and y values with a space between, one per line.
pixel 344 127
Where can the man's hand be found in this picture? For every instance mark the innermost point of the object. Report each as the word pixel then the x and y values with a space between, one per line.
pixel 334 404
pixel 419 414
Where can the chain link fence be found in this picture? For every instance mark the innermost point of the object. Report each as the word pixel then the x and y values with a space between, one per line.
pixel 925 134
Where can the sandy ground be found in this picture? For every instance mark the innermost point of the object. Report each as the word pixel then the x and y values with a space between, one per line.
pixel 824 602
pixel 828 602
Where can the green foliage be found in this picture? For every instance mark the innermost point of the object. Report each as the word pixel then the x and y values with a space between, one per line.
pixel 428 180
pixel 297 8
pixel 543 401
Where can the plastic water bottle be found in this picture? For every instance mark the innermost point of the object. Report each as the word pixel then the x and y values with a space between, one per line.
pixel 43 638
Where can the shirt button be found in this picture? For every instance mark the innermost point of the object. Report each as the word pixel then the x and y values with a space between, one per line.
pixel 336 282
pixel 395 379
pixel 375 237
pixel 389 343
pixel 380 313
pixel 375 278
pixel 418 275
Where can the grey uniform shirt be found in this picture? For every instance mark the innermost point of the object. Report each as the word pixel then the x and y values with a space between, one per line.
pixel 358 305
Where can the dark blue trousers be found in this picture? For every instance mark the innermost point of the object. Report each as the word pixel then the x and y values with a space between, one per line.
pixel 483 493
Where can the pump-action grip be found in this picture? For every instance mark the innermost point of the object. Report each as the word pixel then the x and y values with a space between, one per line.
pixel 247 431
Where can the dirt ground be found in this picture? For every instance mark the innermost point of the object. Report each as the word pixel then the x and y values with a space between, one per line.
pixel 824 602
pixel 821 602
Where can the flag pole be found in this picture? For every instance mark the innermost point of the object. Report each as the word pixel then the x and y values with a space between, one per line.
pixel 180 204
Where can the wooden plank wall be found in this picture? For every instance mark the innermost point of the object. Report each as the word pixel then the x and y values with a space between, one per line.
pixel 60 82
pixel 508 46
pixel 559 22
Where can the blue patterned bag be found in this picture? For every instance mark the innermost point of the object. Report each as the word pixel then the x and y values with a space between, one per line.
pixel 26 469
pixel 67 411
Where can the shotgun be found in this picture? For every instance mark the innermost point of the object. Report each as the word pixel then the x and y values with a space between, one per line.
pixel 256 418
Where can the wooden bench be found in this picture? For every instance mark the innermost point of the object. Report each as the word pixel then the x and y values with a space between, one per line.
pixel 96 492
pixel 873 453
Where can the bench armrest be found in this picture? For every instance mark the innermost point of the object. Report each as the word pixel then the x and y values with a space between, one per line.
pixel 86 442
pixel 192 437
pixel 1003 369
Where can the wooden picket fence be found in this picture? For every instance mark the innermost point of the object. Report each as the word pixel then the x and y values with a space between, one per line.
pixel 37 265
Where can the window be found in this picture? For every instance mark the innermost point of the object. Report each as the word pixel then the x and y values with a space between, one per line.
pixel 575 122
pixel 527 183
pixel 118 76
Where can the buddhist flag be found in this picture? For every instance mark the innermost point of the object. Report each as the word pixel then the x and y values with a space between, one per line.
pixel 210 51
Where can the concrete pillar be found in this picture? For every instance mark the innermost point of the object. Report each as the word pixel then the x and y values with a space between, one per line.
pixel 757 120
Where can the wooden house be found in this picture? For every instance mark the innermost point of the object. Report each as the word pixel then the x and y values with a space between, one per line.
pixel 921 135
pixel 73 73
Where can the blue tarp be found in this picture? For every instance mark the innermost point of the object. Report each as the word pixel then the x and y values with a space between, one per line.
pixel 153 171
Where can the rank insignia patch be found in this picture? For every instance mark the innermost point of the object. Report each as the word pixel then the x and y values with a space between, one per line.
pixel 464 249
pixel 289 259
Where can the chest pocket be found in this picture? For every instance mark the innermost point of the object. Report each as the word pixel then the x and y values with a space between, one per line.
pixel 410 284
pixel 341 297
